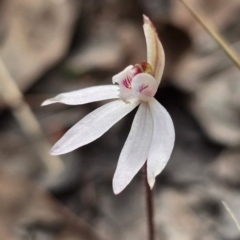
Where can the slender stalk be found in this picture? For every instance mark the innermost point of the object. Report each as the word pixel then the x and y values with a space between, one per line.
pixel 149 205
pixel 213 33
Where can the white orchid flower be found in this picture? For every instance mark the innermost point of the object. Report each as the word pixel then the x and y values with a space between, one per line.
pixel 152 133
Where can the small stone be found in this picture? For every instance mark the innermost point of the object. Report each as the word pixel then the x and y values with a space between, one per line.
pixel 39 33
pixel 226 167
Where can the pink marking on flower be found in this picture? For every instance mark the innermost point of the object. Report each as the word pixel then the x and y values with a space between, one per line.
pixel 142 87
pixel 127 82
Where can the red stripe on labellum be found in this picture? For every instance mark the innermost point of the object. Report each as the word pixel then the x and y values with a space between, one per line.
pixel 142 87
pixel 127 82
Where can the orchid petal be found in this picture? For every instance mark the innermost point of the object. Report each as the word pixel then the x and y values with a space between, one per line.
pixel 93 126
pixel 125 93
pixel 118 78
pixel 87 95
pixel 144 86
pixel 135 151
pixel 155 52
pixel 162 141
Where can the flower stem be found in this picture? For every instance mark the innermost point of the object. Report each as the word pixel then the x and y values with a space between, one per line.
pixel 149 205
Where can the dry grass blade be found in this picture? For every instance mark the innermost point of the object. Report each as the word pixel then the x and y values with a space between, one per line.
pixel 231 214
pixel 13 97
pixel 214 34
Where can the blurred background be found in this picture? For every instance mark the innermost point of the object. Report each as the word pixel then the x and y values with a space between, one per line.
pixel 54 46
